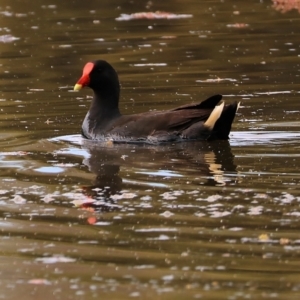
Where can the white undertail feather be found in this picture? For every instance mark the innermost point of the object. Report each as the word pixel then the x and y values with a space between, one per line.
pixel 238 106
pixel 214 116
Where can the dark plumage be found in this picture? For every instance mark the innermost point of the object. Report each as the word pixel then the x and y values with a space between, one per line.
pixel 196 121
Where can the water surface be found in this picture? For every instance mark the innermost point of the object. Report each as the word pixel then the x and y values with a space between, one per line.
pixel 83 220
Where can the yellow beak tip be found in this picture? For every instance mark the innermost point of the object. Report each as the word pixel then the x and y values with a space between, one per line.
pixel 77 87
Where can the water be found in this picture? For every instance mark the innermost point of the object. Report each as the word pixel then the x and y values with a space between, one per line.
pixel 83 220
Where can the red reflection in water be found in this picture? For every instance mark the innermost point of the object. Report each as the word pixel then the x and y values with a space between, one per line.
pixel 286 5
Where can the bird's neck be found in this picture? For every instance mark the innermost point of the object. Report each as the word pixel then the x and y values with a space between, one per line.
pixel 104 106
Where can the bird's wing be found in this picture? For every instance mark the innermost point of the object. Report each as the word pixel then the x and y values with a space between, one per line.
pixel 209 103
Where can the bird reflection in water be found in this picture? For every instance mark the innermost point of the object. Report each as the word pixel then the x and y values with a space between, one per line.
pixel 200 163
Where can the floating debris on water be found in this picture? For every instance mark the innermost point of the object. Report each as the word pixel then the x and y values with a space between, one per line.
pixel 8 38
pixel 152 15
pixel 18 199
pixel 55 259
pixel 167 214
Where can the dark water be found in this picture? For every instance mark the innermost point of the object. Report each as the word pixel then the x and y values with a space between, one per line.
pixel 81 220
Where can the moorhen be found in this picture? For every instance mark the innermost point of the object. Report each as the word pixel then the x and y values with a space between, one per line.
pixel 104 122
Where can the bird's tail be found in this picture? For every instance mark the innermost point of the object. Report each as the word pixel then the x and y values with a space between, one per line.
pixel 222 126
